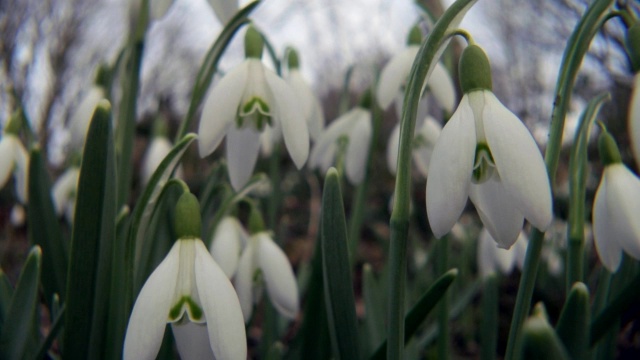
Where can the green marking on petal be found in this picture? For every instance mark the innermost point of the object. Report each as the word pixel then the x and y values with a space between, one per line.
pixel 257 276
pixel 194 310
pixel 255 104
pixel 483 165
pixel 419 141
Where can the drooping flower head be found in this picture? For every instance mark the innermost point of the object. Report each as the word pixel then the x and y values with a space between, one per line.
pixel 616 207
pixel 492 259
pixel 487 154
pixel 14 158
pixel 189 291
pixel 247 100
pixel 157 150
pixel 64 193
pixel 395 73
pixel 424 140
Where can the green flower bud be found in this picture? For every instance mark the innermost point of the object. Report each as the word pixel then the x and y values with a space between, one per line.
pixel 609 152
pixel 474 69
pixel 103 76
pixel 292 59
pixel 633 46
pixel 14 124
pixel 253 43
pixel 415 36
pixel 188 221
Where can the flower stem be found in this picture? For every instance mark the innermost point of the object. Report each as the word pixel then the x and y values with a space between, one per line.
pixel 443 306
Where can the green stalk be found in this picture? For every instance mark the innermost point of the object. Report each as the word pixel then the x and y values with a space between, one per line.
pixel 577 192
pixel 428 55
pixel 577 47
pixel 443 306
pixel 489 325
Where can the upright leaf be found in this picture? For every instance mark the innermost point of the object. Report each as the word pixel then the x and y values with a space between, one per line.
pixel 573 325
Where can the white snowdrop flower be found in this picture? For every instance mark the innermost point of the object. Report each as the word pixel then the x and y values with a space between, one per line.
pixel 246 101
pixel 353 128
pixel 493 259
pixel 487 154
pixel 81 117
pixel 14 159
pixel 189 291
pixel 616 208
pixel 310 106
pixel 264 264
pixel 64 193
pixel 158 149
pixel 228 241
pixel 424 140
pixel 394 76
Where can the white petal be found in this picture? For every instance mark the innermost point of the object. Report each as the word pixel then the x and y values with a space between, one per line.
pixel 150 313
pixel 394 75
pixel 243 146
pixel 442 87
pixel 450 170
pixel 7 150
pixel 609 251
pixel 156 152
pixel 358 148
pixel 158 8
pixel 220 109
pixel 634 118
pixel 485 254
pixel 227 245
pixel 224 9
pixel 243 281
pixel 21 171
pixel 79 123
pixel 623 205
pixel 518 161
pixel 429 133
pixel 64 188
pixel 392 149
pixel 279 278
pixel 192 340
pixel 497 212
pixel 221 308
pixel 291 118
pixel 337 128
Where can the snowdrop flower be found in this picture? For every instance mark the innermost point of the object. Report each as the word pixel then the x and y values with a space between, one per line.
pixel 64 193
pixel 485 152
pixel 81 117
pixel 352 129
pixel 394 76
pixel 424 140
pixel 262 264
pixel 228 241
pixel 224 9
pixel 311 109
pixel 492 259
pixel 246 101
pixel 189 291
pixel 158 149
pixel 14 159
pixel 616 207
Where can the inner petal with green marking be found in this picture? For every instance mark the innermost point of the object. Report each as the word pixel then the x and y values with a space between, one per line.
pixel 186 299
pixel 254 112
pixel 483 165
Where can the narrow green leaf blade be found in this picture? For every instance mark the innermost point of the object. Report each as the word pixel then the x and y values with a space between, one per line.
pixel 337 271
pixel 6 293
pixel 18 326
pixel 90 224
pixel 44 229
pixel 375 306
pixel 573 325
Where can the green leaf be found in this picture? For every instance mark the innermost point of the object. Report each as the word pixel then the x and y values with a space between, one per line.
pixel 375 306
pixel 91 242
pixel 338 285
pixel 489 325
pixel 210 64
pixel 51 336
pixel 539 340
pixel 422 308
pixel 44 230
pixel 573 325
pixel 18 329
pixel 6 292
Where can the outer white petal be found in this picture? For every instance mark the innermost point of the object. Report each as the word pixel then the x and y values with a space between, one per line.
pixel 243 146
pixel 21 171
pixel 339 127
pixel 358 148
pixel 623 205
pixel 192 340
pixel 64 188
pixel 429 132
pixel 309 105
pixel 291 118
pixel 243 280
pixel 394 75
pixel 150 313
pixel 224 9
pixel 604 232
pixel 156 152
pixel 392 149
pixel 7 156
pixel 450 170
pixel 442 87
pixel 278 275
pixel 497 212
pixel 634 118
pixel 518 161
pixel 226 246
pixel 491 257
pixel 157 8
pixel 220 109
pixel 221 308
pixel 79 123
